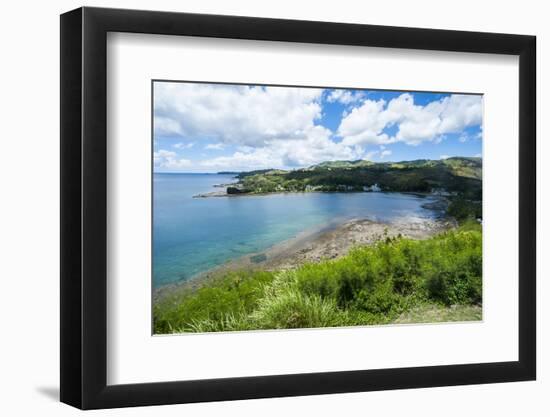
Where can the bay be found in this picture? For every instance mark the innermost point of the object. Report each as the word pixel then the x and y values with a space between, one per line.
pixel 193 235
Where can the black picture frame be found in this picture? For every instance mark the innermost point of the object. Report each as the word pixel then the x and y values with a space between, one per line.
pixel 84 207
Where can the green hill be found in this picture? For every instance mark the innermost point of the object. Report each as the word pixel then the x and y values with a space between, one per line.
pixel 453 175
pixel 341 165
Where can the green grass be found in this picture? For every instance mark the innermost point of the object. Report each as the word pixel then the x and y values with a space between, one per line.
pixel 436 314
pixel 395 280
pixel 235 294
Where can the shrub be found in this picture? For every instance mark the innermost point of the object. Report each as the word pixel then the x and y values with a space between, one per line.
pixel 463 209
pixel 294 310
pixel 371 285
pixel 234 294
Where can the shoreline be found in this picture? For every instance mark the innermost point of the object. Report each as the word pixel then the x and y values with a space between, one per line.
pixel 224 193
pixel 314 245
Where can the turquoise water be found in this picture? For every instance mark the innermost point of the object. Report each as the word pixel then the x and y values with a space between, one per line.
pixel 192 235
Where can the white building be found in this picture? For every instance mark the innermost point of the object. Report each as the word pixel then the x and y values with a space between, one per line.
pixel 373 188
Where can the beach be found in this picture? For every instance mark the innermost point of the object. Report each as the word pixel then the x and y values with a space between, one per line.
pixel 314 245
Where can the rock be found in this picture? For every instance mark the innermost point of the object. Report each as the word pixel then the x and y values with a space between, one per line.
pixel 235 190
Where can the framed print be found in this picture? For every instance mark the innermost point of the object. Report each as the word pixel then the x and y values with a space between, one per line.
pixel 257 207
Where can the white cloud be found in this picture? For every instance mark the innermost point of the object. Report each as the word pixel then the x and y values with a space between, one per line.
pixel 269 126
pixel 168 159
pixel 288 153
pixel 345 96
pixel 364 125
pixel 182 145
pixel 444 156
pixel 424 123
pixel 215 146
pixel 415 123
pixel 273 127
pixel 460 111
pixel 241 115
pixel 318 147
pixel 380 154
pixel 385 153
pixel 369 156
pixel 477 155
pixel 166 126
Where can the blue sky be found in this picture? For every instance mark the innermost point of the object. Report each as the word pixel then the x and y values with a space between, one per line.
pixel 219 127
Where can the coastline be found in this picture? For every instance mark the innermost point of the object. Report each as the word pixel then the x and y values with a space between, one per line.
pixel 312 246
pixel 224 193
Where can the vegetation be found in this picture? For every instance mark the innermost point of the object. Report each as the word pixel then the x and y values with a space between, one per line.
pixel 395 280
pixel 458 179
pixel 463 209
pixel 439 314
pixel 457 175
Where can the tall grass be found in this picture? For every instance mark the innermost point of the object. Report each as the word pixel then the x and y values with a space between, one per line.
pixel 235 294
pixel 371 285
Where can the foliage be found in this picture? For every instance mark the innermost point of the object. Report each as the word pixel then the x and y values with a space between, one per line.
pixel 371 285
pixel 456 175
pixel 235 293
pixel 463 209
pixel 434 313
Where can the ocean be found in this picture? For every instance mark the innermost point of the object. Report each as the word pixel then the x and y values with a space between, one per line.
pixel 193 235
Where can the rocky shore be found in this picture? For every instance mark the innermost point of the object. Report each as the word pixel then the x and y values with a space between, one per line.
pixel 315 245
pixel 220 193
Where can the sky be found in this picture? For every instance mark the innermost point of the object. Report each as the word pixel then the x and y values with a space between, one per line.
pixel 226 127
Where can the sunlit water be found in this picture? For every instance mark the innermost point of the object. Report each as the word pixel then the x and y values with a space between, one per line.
pixel 192 235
